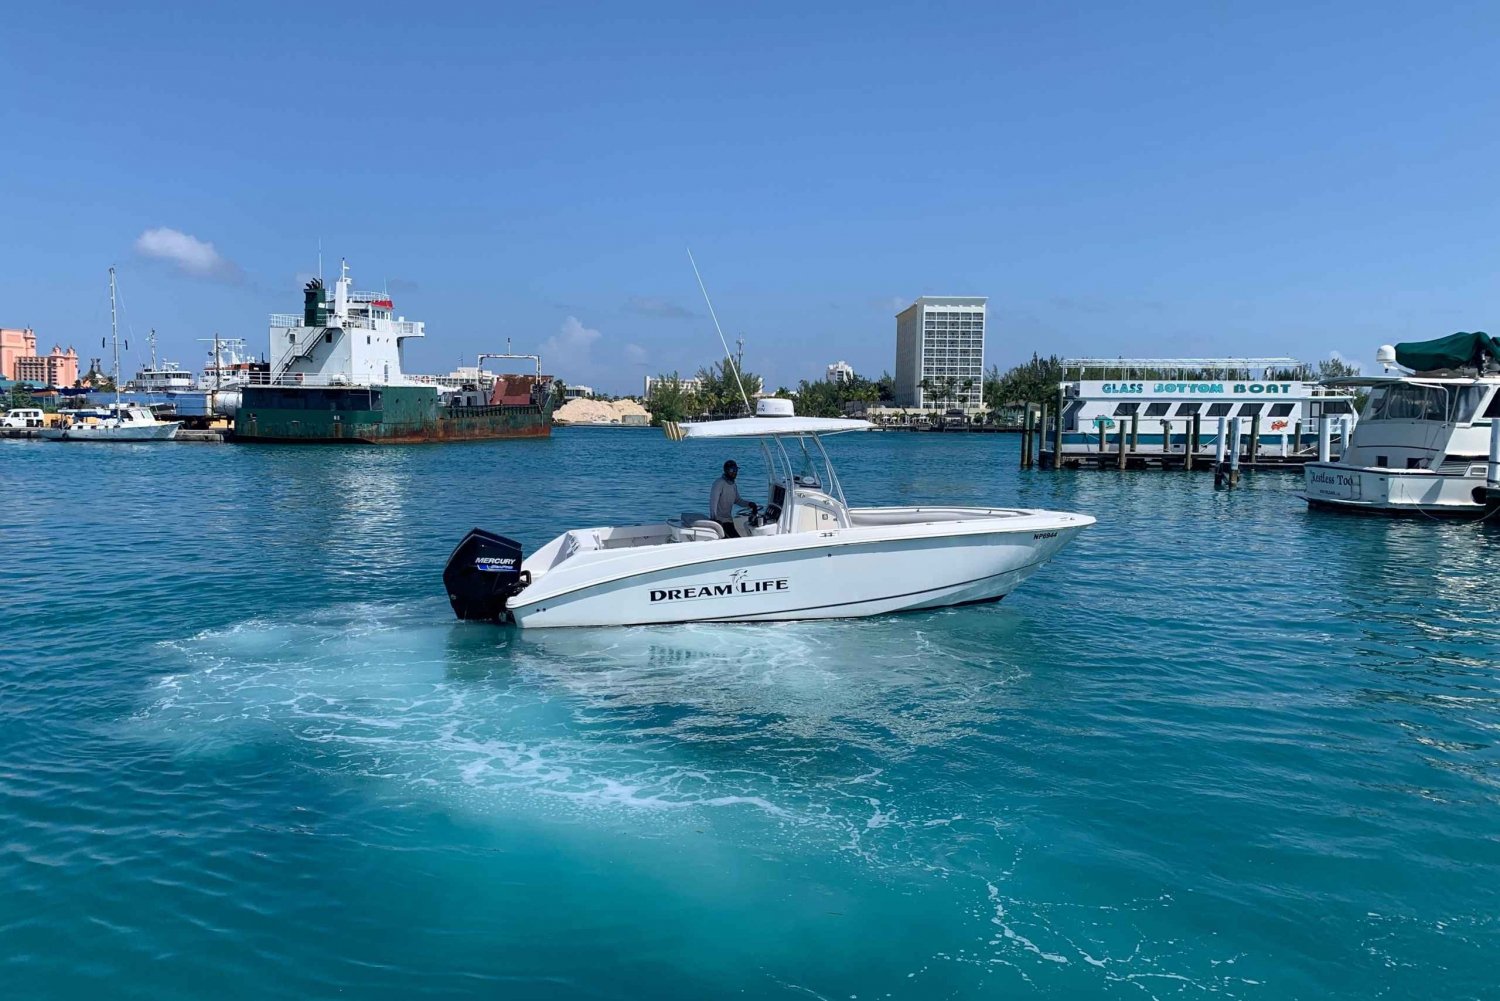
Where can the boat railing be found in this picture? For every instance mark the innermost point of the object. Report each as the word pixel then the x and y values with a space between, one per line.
pixel 401 328
pixel 295 379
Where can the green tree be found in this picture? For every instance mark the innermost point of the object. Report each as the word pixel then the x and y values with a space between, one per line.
pixel 1034 381
pixel 885 389
pixel 720 395
pixel 1336 368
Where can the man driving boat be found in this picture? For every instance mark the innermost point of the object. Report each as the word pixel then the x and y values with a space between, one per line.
pixel 724 497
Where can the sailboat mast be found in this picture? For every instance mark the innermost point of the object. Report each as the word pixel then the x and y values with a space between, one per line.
pixel 114 333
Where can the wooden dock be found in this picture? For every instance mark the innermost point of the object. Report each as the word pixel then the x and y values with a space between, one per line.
pixel 1202 461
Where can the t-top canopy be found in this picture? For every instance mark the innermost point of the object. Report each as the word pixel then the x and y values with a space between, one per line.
pixel 772 417
pixel 1461 350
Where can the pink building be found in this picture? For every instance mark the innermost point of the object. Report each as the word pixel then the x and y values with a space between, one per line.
pixel 15 343
pixel 19 360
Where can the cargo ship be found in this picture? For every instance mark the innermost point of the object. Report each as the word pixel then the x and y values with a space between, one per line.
pixel 336 375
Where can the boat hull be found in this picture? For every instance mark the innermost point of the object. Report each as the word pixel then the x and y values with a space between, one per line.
pixel 1378 490
pixel 852 572
pixel 159 432
pixel 383 415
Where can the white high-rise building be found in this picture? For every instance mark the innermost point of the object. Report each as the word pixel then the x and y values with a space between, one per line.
pixel 941 338
pixel 840 371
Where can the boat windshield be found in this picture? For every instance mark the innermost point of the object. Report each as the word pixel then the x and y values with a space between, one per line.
pixel 1409 401
pixel 804 464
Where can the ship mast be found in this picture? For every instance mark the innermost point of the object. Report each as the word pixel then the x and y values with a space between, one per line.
pixel 114 334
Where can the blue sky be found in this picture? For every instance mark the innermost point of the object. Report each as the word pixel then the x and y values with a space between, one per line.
pixel 1142 179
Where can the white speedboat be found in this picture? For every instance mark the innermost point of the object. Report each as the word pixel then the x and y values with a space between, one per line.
pixel 1428 442
pixel 807 555
pixel 122 423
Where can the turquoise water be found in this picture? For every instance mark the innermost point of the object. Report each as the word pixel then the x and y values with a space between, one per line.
pixel 1219 746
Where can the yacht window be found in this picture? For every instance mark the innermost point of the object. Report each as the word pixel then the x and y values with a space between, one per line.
pixel 1493 410
pixel 1157 409
pixel 1338 406
pixel 1250 409
pixel 1282 409
pixel 1188 409
pixel 1406 401
pixel 1126 409
pixel 1219 409
pixel 1466 400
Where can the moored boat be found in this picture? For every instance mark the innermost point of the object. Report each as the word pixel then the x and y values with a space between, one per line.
pixel 118 421
pixel 338 376
pixel 1428 440
pixel 1159 401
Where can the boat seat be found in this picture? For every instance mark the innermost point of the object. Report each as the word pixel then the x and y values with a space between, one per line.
pixel 694 526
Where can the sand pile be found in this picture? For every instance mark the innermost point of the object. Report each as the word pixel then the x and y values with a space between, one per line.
pixel 600 412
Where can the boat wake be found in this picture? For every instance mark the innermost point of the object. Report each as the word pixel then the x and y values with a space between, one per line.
pixel 807 745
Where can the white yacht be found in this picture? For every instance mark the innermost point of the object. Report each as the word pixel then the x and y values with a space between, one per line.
pixel 120 421
pixel 1428 440
pixel 806 555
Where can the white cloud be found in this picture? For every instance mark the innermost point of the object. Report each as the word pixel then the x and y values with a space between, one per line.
pixel 186 252
pixel 635 354
pixel 568 349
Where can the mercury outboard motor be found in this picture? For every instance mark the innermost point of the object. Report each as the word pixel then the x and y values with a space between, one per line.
pixel 484 573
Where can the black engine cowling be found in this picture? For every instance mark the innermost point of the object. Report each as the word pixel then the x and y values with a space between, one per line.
pixel 484 573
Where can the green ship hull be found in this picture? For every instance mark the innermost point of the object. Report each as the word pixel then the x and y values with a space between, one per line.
pixel 377 415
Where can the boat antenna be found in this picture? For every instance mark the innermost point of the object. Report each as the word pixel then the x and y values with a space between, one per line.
pixel 733 366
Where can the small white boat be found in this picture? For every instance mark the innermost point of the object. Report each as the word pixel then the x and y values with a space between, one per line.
pixel 123 423
pixel 120 421
pixel 806 555
pixel 1428 442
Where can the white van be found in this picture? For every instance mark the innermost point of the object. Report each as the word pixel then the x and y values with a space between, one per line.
pixel 23 419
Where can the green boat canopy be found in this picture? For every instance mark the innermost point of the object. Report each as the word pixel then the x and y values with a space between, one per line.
pixel 1461 350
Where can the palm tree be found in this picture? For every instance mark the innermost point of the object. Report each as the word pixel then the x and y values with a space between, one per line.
pixel 928 387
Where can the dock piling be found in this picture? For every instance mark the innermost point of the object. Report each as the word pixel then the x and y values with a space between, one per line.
pixel 1492 468
pixel 1122 446
pixel 1025 433
pixel 1135 432
pixel 1254 450
pixel 1221 471
pixel 1323 430
pixel 1234 455
pixel 1041 436
pixel 1057 428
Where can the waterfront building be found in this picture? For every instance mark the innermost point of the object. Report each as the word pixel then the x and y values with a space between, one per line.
pixel 692 385
pixel 577 392
pixel 840 371
pixel 15 342
pixel 940 342
pixel 56 368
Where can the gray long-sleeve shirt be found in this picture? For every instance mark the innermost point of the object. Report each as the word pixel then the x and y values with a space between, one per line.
pixel 723 498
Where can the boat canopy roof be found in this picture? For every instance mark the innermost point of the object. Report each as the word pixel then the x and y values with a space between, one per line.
pixel 1460 350
pixel 773 418
pixel 762 427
